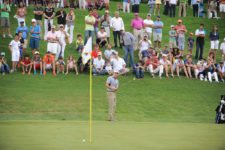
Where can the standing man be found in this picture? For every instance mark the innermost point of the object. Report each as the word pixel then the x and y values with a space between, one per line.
pixel 222 8
pixel 89 26
pixel 194 4
pixel 173 4
pixel 61 16
pixel 49 13
pixel 35 31
pixel 137 24
pixel 135 5
pixel 117 25
pixel 182 8
pixel 105 22
pixel 38 13
pixel 5 23
pixel 157 33
pixel 200 40
pixel 148 24
pixel 112 85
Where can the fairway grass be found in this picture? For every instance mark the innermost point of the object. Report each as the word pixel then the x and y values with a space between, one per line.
pixel 69 135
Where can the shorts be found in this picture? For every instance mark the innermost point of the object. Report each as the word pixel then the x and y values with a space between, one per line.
pixel 214 44
pixel 52 47
pixel 222 7
pixel 25 44
pixel 172 44
pixel 157 36
pixel 37 66
pixel 15 55
pixel 34 43
pixel 48 66
pixel 5 23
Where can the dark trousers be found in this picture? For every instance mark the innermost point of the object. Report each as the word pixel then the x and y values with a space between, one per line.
pixel 5 68
pixel 101 42
pixel 199 48
pixel 166 8
pixel 195 10
pixel 172 10
pixel 139 73
pixel 135 8
pixel 115 35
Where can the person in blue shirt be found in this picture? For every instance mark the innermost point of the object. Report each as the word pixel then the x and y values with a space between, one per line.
pixel 157 32
pixel 35 31
pixel 24 30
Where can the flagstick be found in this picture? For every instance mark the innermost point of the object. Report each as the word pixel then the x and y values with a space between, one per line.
pixel 90 122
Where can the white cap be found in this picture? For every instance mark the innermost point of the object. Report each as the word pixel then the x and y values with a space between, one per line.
pixel 36 52
pixel 33 20
pixel 171 26
pixel 164 55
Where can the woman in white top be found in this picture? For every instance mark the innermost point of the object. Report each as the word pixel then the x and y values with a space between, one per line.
pixel 102 37
pixel 70 18
pixel 143 45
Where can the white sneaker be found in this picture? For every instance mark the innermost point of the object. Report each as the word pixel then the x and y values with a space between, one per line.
pixel 3 35
pixel 11 71
pixel 10 36
pixel 3 73
pixel 206 79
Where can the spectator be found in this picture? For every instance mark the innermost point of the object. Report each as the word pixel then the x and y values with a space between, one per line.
pixel 60 65
pixel 151 4
pixel 5 23
pixel 182 8
pixel 190 66
pixel 135 5
pixel 98 65
pixel 108 68
pixel 166 65
pixel 128 40
pixel 106 2
pixel 37 62
pixel 26 64
pixel 179 65
pixel 191 42
pixel 89 25
pixel 99 4
pixel 52 40
pixel 173 4
pixel 181 30
pixel 95 52
pixel 97 18
pixel 138 25
pixel 49 63
pixel 102 37
pixel 61 16
pixel 145 54
pixel 38 13
pixel 109 53
pixel 35 31
pixel 200 40
pixel 119 65
pixel 144 44
pixel 222 48
pixel 49 13
pixel 105 22
pixel 148 24
pixel 158 3
pixel 222 8
pixel 173 37
pixel 153 66
pixel 22 43
pixel 157 33
pixel 70 18
pixel 201 70
pixel 24 30
pixel 15 52
pixel 63 38
pixel 212 12
pixel 126 6
pixel 195 4
pixel 79 43
pixel 166 7
pixel 221 70
pixel 71 65
pixel 214 39
pixel 21 13
pixel 139 70
pixel 211 71
pixel 4 67
pixel 117 25
pixel 82 4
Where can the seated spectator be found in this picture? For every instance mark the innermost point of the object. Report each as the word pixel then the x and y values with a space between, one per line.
pixel 144 44
pixel 190 66
pixel 37 62
pixel 153 66
pixel 26 64
pixel 119 65
pixel 179 66
pixel 145 54
pixel 98 65
pixel 108 68
pixel 102 37
pixel 49 63
pixel 212 12
pixel 79 43
pixel 166 65
pixel 222 48
pixel 71 65
pixel 60 65
pixel 201 69
pixel 84 61
pixel 95 52
pixel 221 70
pixel 211 71
pixel 4 67
pixel 109 53
pixel 138 70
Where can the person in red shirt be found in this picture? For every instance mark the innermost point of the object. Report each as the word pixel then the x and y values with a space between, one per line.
pixel 94 53
pixel 49 63
pixel 26 64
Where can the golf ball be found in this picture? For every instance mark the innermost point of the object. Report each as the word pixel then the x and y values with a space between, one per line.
pixel 83 140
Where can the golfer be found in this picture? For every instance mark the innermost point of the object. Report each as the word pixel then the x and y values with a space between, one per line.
pixel 112 85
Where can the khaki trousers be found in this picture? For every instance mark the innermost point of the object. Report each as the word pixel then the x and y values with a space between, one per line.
pixel 182 7
pixel 112 105
pixel 138 34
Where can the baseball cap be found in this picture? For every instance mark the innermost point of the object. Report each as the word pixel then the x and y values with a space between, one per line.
pixel 61 25
pixel 21 21
pixel 106 11
pixel 164 55
pixel 149 15
pixel 2 53
pixel 171 26
pixel 53 26
pixel 116 71
pixel 191 33
pixel 36 53
pixel 33 20
pixel 99 53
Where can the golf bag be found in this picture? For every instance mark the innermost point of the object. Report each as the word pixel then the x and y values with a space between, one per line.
pixel 220 112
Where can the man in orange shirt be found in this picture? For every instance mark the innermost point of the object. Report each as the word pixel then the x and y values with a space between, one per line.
pixel 49 63
pixel 95 52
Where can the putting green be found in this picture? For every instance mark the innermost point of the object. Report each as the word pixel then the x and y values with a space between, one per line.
pixel 69 135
